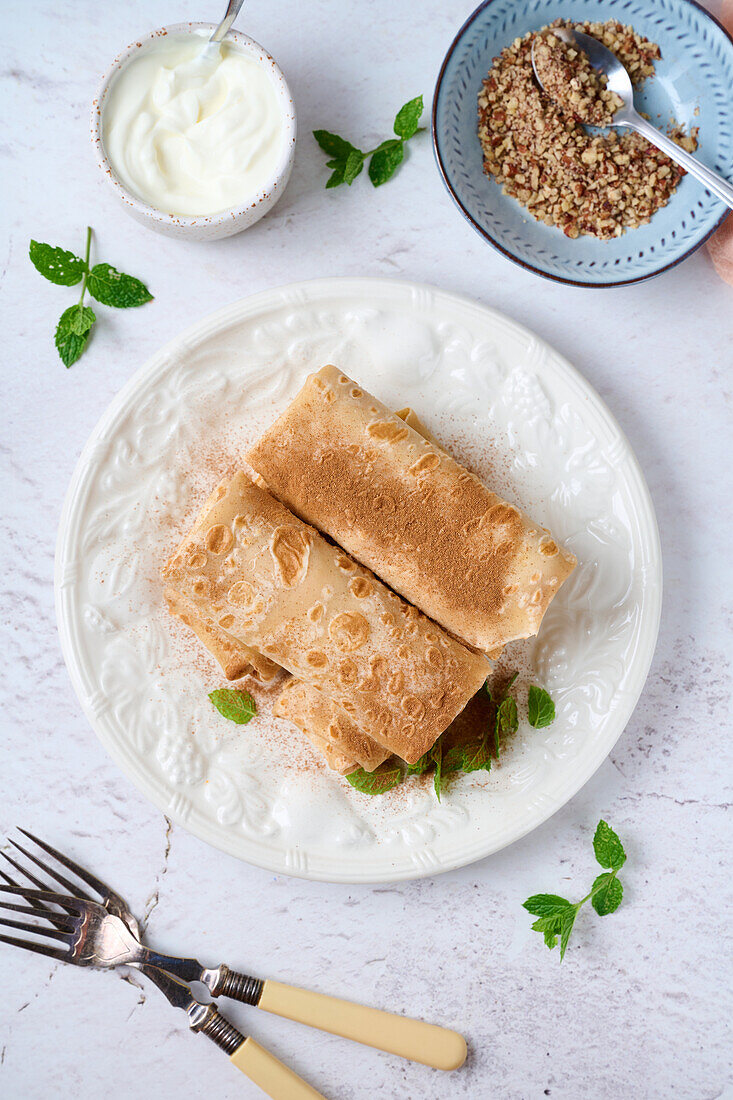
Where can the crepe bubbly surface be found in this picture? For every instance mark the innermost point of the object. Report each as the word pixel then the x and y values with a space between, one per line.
pixel 274 584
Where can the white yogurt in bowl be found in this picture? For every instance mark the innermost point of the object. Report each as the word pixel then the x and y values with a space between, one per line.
pixel 197 141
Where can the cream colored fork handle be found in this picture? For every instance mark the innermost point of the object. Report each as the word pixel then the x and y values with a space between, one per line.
pixel 413 1039
pixel 274 1078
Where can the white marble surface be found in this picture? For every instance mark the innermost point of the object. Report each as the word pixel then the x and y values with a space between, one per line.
pixel 640 1007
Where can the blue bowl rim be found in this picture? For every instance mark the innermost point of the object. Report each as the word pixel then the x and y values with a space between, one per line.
pixel 485 233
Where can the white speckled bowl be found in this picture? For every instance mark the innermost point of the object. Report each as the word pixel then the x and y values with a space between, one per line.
pixel 203 227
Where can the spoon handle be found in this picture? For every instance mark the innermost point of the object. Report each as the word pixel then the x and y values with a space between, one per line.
pixel 231 14
pixel 712 180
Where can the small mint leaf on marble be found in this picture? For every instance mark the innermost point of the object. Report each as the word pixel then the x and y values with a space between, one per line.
pixel 609 850
pixel 567 920
pixel 113 288
pixel 56 264
pixel 408 117
pixel 353 166
pixel 335 146
pixel 607 894
pixel 72 332
pixel 385 161
pixel 546 905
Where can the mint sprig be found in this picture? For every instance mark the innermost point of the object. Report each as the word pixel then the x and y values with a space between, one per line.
pixel 475 754
pixel 104 282
pixel 346 161
pixel 236 705
pixel 556 915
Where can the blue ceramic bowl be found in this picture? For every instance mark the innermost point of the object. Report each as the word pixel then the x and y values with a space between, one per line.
pixel 693 84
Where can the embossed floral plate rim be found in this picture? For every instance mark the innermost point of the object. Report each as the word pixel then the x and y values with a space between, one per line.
pixel 377 865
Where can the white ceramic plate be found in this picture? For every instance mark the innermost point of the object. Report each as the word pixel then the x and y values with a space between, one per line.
pixel 508 406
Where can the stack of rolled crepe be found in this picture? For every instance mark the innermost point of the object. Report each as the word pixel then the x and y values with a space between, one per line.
pixel 374 673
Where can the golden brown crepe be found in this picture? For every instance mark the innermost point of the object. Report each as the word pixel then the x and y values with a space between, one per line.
pixel 319 717
pixel 236 658
pixel 274 584
pixel 402 506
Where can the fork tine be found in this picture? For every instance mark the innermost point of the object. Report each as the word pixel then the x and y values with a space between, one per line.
pixel 70 886
pixel 59 919
pixel 19 867
pixel 39 948
pixel 31 911
pixel 36 929
pixel 91 880
pixel 49 897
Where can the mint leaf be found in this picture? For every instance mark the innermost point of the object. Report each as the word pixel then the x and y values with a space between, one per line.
pixel 550 937
pixel 383 778
pixel 506 715
pixel 547 905
pixel 72 332
pixel 421 766
pixel 507 721
pixel 550 927
pixel 238 706
pixel 477 757
pixel 57 265
pixel 405 124
pixel 79 318
pixel 453 760
pixel 337 176
pixel 385 161
pixel 334 145
pixel 608 848
pixel 567 920
pixel 353 166
pixel 607 894
pixel 112 288
pixel 540 707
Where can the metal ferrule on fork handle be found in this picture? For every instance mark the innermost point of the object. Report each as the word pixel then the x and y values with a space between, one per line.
pixel 206 1019
pixel 223 982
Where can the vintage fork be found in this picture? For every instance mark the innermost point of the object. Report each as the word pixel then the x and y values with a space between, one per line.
pixel 433 1046
pixel 86 932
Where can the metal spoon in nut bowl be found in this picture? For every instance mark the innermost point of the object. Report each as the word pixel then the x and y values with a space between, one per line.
pixel 619 81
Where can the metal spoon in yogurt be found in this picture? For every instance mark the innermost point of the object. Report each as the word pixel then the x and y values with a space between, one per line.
pixel 619 81
pixel 233 9
pixel 211 50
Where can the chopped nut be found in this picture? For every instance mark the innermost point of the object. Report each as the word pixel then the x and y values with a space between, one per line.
pixel 540 154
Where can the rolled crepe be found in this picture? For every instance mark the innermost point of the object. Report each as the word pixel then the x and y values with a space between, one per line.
pixel 236 658
pixel 321 718
pixel 400 505
pixel 275 584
